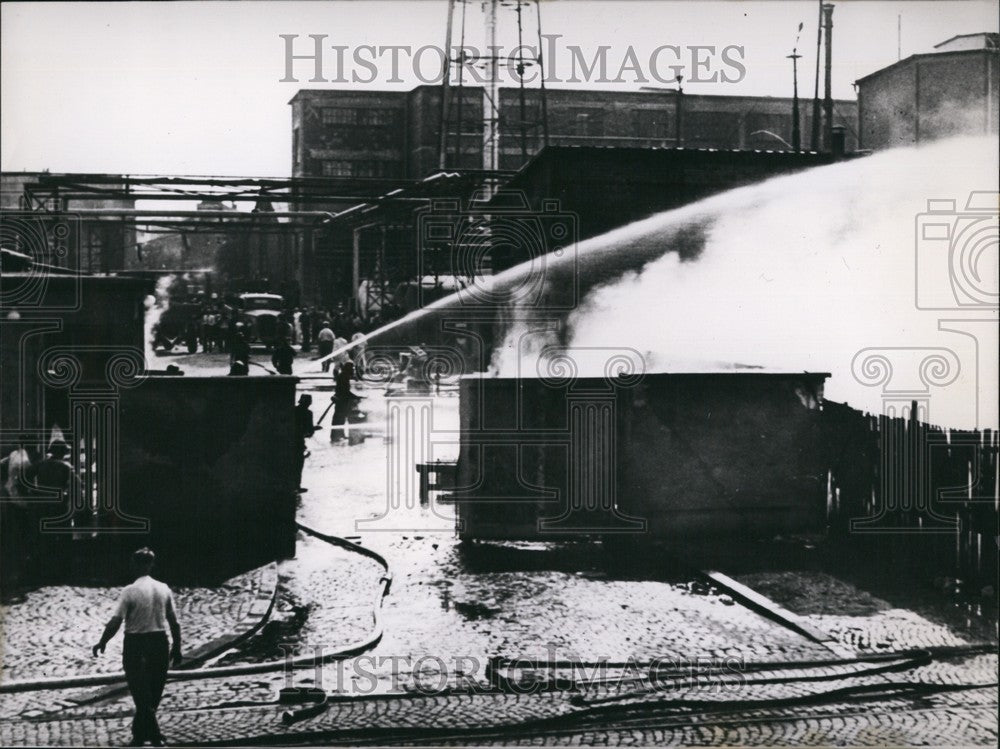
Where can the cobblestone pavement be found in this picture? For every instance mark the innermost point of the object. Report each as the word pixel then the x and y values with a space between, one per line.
pixel 523 600
pixel 326 602
pixel 866 623
pixel 899 725
pixel 463 604
pixel 74 617
pixel 768 708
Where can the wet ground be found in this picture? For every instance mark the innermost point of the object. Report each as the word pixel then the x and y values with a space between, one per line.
pixel 468 602
pixel 454 607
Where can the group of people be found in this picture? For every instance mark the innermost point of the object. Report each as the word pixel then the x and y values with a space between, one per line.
pixel 345 403
pixel 35 484
pixel 310 321
pixel 214 327
pixel 283 353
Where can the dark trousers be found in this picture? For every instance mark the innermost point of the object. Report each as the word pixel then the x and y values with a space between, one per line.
pixel 145 658
pixel 300 460
pixel 325 349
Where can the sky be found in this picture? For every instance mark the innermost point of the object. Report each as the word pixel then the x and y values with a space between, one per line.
pixel 195 87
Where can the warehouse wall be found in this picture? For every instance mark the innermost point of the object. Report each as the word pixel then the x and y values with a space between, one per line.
pixel 675 456
pixel 210 461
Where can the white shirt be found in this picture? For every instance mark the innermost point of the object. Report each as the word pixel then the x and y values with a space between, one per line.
pixel 339 343
pixel 143 606
pixel 17 463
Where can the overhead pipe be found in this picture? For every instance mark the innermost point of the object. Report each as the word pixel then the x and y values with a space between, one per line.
pixel 239 215
pixel 224 197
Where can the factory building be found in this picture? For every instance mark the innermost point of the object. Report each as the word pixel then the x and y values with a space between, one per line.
pixel 607 187
pixel 396 134
pixel 951 91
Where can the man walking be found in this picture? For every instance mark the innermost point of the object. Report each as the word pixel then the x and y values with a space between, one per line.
pixel 303 428
pixel 324 340
pixel 306 322
pixel 147 608
pixel 283 356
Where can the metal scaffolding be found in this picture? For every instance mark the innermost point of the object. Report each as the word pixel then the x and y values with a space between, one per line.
pixel 312 216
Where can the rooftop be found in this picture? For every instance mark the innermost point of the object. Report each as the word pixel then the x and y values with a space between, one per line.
pixel 982 40
pixel 952 46
pixel 317 93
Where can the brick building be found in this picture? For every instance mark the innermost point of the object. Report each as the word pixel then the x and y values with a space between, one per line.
pixel 396 134
pixel 950 91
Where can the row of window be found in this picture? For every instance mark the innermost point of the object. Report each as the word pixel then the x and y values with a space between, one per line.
pixel 356 116
pixel 647 123
pixel 362 168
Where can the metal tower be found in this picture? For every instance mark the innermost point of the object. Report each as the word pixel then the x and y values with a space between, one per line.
pixel 529 123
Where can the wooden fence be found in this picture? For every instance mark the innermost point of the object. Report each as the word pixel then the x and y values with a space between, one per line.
pixel 904 485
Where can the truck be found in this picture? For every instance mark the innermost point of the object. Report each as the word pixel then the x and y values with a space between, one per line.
pixel 260 314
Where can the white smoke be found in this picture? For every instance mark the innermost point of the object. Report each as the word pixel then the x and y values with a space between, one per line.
pixel 802 273
pixel 156 304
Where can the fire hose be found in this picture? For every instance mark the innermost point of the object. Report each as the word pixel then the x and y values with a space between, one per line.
pixel 195 674
pixel 609 706
pixel 266 369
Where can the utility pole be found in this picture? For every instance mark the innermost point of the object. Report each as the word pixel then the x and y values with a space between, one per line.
pixel 828 82
pixel 459 116
pixel 796 133
pixel 794 57
pixel 678 127
pixel 816 113
pixel 520 76
pixel 491 107
pixel 445 86
pixel 541 76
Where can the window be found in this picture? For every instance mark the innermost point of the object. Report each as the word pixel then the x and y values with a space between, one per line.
pixel 718 129
pixel 295 147
pixel 589 123
pixel 653 123
pixel 364 168
pixel 336 169
pixel 374 169
pixel 376 117
pixel 338 116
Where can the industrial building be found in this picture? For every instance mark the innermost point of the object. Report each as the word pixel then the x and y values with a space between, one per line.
pixel 396 134
pixel 925 97
pixel 608 187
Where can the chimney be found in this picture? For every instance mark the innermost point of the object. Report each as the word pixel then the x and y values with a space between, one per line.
pixel 828 87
